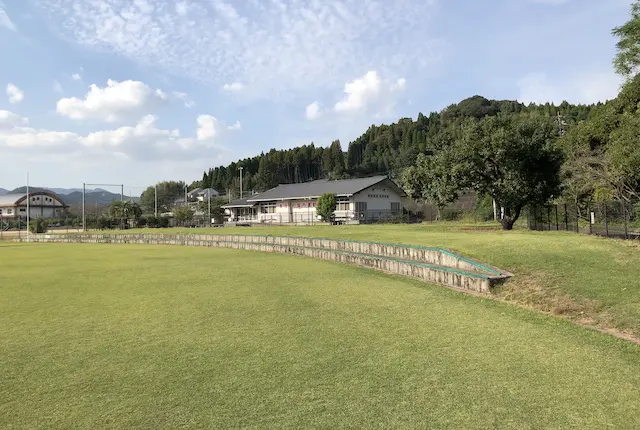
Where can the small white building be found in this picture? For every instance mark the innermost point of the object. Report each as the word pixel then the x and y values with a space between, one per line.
pixel 44 204
pixel 359 200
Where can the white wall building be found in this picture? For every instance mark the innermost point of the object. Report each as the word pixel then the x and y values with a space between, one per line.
pixel 359 200
pixel 44 204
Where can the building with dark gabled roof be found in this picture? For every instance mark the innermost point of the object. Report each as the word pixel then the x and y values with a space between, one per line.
pixel 359 200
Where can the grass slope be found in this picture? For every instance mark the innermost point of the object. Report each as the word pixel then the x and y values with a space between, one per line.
pixel 585 278
pixel 108 336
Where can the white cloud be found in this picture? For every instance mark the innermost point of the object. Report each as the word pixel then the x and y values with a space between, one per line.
pixel 188 103
pixel 5 21
pixel 10 120
pixel 583 88
pixel 370 91
pixel 182 7
pixel 15 94
pixel 76 77
pixel 115 102
pixel 312 111
pixel 359 92
pixel 273 47
pixel 209 127
pixel 145 141
pixel 57 88
pixel 236 86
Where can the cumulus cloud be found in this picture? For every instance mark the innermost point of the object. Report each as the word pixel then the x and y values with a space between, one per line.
pixel 313 111
pixel 10 120
pixel 210 128
pixel 145 141
pixel 5 21
pixel 115 102
pixel 236 86
pixel 273 47
pixel 367 91
pixel 188 103
pixel 15 94
pixel 583 88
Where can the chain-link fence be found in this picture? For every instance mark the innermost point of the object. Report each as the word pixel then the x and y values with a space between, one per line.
pixel 616 219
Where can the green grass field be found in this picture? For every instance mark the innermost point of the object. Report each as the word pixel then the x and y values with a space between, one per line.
pixel 108 336
pixel 585 278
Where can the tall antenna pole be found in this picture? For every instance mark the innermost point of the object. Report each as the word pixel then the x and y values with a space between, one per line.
pixel 241 168
pixel 122 192
pixel 156 199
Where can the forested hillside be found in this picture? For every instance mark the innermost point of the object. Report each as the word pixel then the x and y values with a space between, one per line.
pixel 382 149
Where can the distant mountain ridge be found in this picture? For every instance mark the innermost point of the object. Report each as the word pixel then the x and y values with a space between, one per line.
pixel 73 196
pixel 3 191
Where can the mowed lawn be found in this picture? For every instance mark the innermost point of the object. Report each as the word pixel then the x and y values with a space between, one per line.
pixel 586 278
pixel 110 336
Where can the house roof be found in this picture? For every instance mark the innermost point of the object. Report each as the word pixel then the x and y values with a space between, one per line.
pixel 314 189
pixel 18 198
pixel 240 203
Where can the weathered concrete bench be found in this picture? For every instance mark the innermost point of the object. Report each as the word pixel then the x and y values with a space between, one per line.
pixel 434 265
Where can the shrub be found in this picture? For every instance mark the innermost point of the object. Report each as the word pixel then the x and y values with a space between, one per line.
pixel 38 225
pixel 326 206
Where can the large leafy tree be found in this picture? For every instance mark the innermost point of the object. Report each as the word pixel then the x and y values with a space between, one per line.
pixel 168 193
pixel 627 59
pixel 512 158
pixel 430 180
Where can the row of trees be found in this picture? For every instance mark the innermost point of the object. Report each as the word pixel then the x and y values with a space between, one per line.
pixel 528 157
pixel 515 154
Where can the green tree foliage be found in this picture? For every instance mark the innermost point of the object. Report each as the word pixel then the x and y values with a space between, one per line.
pixel 513 158
pixel 183 213
pixel 38 226
pixel 383 149
pixel 326 206
pixel 168 193
pixel 125 210
pixel 627 59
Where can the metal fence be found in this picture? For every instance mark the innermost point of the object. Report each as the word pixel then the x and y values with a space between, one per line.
pixel 615 219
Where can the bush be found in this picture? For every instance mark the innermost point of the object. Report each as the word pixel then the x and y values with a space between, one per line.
pixel 451 215
pixel 38 225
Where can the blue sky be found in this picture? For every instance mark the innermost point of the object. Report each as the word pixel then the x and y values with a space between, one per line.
pixel 136 91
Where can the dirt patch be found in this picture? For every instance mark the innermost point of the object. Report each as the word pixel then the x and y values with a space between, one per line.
pixel 534 292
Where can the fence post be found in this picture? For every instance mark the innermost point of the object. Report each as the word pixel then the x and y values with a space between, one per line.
pixel 557 226
pixel 589 217
pixel 566 218
pixel 624 214
pixel 549 218
pixel 606 222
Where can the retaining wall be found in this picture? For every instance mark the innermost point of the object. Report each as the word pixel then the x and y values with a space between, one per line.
pixel 428 264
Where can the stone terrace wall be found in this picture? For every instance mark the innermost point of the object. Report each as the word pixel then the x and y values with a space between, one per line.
pixel 428 264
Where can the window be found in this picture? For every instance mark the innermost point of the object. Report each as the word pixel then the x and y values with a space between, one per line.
pixel 361 207
pixel 342 204
pixel 268 208
pixel 9 211
pixel 395 207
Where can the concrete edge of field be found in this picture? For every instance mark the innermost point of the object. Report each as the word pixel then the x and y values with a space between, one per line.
pixel 432 265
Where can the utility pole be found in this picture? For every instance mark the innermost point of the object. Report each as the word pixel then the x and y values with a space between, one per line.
pixel 209 193
pixel 155 188
pixel 241 169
